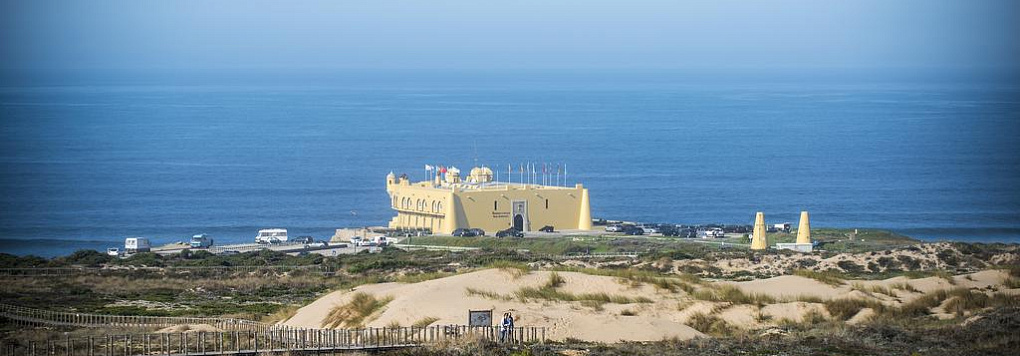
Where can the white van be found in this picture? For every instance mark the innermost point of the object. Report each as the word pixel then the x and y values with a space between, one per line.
pixel 271 236
pixel 137 244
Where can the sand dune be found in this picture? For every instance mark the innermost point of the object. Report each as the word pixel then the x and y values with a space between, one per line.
pixel 448 300
pixel 665 316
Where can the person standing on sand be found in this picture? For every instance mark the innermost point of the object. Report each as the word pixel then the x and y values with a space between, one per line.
pixel 506 327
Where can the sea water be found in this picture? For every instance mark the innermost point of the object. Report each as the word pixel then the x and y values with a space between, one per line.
pixel 84 164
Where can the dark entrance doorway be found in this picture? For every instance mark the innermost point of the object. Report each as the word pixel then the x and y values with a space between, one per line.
pixel 520 212
pixel 518 222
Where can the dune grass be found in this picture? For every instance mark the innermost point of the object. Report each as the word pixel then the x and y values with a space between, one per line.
pixel 684 281
pixel 516 269
pixel 734 295
pixel 281 315
pixel 964 300
pixel 486 294
pixel 550 291
pixel 846 308
pixel 422 277
pixel 710 324
pixel 905 286
pixel 426 321
pixel 872 289
pixel 355 313
pixel 946 276
pixel 831 278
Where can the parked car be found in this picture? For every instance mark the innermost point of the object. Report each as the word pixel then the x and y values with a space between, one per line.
pixel 464 233
pixel 649 229
pixel 546 228
pixel 478 232
pixel 113 251
pixel 511 232
pixel 304 239
pixel 614 228
pixel 632 230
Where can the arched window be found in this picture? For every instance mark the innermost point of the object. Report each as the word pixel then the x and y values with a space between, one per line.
pixel 440 206
pixel 434 209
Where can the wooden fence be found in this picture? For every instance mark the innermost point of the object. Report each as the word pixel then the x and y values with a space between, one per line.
pixel 293 341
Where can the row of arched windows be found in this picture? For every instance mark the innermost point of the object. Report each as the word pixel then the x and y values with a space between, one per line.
pixel 425 205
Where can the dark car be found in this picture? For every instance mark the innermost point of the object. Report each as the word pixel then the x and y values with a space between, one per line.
pixel 511 232
pixel 478 232
pixel 304 239
pixel 464 233
pixel 633 230
pixel 669 230
pixel 546 228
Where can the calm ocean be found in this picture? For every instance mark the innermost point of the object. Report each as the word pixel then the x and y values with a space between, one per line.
pixel 85 163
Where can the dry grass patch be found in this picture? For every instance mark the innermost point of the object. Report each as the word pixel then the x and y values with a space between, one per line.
pixel 684 281
pixel 734 295
pixel 486 294
pixel 281 315
pixel 361 309
pixel 831 278
pixel 426 321
pixel 846 308
pixel 550 291
pixel 965 300
pixel 905 286
pixel 710 324
pixel 946 276
pixel 515 269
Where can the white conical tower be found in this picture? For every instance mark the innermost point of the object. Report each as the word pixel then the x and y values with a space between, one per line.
pixel 804 230
pixel 759 242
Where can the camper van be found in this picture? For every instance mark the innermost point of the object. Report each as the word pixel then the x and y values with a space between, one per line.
pixel 784 227
pixel 136 244
pixel 201 241
pixel 271 236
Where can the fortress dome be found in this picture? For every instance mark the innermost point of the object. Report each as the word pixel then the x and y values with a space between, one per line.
pixel 481 175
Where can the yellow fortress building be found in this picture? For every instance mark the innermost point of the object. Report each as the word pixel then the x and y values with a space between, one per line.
pixel 448 202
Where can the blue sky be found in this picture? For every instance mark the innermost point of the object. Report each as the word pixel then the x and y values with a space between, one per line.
pixel 634 34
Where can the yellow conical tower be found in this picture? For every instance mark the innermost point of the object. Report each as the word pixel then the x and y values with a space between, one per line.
pixel 584 218
pixel 759 242
pixel 804 230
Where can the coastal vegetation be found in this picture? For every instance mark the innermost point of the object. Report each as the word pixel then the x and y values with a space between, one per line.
pixel 700 281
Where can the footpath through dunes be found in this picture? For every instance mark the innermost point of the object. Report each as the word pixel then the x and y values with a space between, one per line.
pixel 638 307
pixel 604 309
